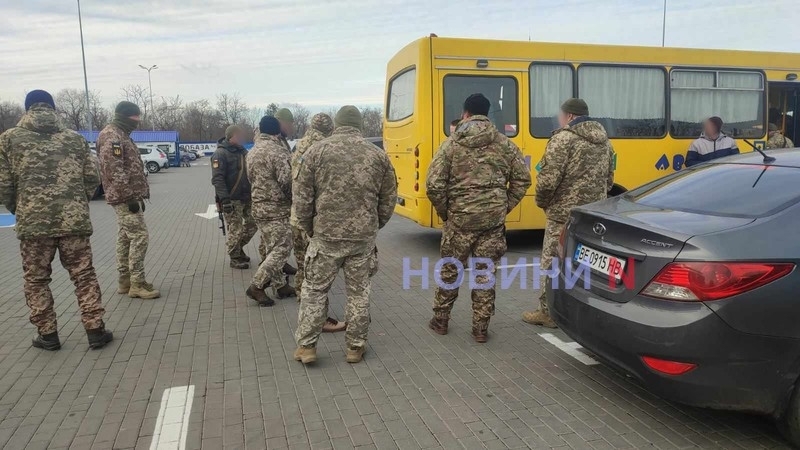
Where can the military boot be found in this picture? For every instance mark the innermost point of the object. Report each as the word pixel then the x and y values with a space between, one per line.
pixel 306 355
pixel 439 323
pixel 143 290
pixel 47 341
pixel 480 330
pixel 99 337
pixel 239 263
pixel 286 291
pixel 540 318
pixel 259 295
pixel 289 269
pixel 124 284
pixel 355 355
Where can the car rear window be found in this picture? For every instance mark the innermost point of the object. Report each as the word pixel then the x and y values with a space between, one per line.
pixel 742 190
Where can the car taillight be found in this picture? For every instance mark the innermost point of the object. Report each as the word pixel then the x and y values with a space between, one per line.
pixel 562 242
pixel 667 367
pixel 702 281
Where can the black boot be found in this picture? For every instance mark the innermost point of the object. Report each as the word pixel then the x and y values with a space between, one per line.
pixel 47 341
pixel 439 323
pixel 99 337
pixel 289 269
pixel 286 291
pixel 259 295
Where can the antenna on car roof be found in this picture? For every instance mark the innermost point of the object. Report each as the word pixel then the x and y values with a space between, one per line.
pixel 767 159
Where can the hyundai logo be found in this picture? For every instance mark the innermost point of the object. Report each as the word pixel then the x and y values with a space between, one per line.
pixel 599 229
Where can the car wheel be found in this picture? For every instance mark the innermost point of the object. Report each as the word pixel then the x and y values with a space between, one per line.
pixel 789 422
pixel 153 167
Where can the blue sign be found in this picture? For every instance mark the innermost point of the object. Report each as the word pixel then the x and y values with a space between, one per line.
pixel 7 220
pixel 662 163
pixel 761 145
pixel 677 162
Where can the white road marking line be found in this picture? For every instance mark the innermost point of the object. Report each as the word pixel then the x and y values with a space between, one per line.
pixel 570 348
pixel 210 213
pixel 172 424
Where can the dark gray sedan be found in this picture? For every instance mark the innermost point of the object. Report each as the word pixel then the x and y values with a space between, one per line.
pixel 689 284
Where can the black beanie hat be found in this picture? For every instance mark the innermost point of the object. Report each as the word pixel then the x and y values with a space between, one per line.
pixel 127 109
pixel 717 122
pixel 477 105
pixel 269 125
pixel 38 96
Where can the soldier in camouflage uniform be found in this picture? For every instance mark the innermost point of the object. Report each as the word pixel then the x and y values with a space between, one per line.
pixel 475 179
pixel 47 176
pixel 344 190
pixel 232 188
pixel 269 166
pixel 777 139
pixel 126 190
pixel 286 120
pixel 577 168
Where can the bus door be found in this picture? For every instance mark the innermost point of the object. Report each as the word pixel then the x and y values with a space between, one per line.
pixel 504 91
pixel 784 102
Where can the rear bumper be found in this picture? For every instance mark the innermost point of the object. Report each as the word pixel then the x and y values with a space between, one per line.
pixel 735 371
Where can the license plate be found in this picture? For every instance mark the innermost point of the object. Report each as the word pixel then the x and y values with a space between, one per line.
pixel 599 261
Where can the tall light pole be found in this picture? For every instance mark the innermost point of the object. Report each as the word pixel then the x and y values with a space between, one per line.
pixel 85 78
pixel 150 83
pixel 664 25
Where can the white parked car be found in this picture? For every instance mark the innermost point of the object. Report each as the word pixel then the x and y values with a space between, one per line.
pixel 154 159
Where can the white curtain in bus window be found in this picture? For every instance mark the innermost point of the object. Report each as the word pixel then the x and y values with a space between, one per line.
pixel 501 92
pixel 401 96
pixel 627 101
pixel 551 85
pixel 736 97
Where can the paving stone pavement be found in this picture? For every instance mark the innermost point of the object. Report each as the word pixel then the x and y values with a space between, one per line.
pixel 205 345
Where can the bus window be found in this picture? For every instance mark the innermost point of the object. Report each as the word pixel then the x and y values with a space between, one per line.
pixel 736 97
pixel 627 101
pixel 501 92
pixel 551 85
pixel 401 96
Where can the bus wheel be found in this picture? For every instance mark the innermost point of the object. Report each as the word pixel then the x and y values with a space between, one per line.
pixel 616 190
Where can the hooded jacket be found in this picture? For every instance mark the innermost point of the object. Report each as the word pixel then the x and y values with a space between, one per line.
pixel 229 172
pixel 577 168
pixel 47 176
pixel 121 167
pixel 705 149
pixel 477 177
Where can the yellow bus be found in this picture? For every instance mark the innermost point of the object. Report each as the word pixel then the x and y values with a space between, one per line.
pixel 650 100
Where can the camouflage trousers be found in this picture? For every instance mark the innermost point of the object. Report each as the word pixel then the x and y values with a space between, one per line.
pixel 552 232
pixel 277 238
pixel 322 263
pixel 461 244
pixel 241 228
pixel 300 243
pixel 75 253
pixel 132 242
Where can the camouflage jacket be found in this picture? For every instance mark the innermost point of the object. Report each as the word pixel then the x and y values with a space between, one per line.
pixel 577 168
pixel 311 137
pixel 121 167
pixel 344 188
pixel 477 177
pixel 47 176
pixel 778 140
pixel 270 173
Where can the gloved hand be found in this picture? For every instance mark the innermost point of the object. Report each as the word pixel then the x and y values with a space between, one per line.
pixel 133 206
pixel 227 207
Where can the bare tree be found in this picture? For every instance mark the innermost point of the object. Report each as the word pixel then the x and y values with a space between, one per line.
pixel 139 95
pixel 71 106
pixel 10 113
pixel 272 109
pixel 100 114
pixel 301 116
pixel 169 113
pixel 372 121
pixel 232 107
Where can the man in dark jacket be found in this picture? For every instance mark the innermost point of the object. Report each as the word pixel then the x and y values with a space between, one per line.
pixel 232 187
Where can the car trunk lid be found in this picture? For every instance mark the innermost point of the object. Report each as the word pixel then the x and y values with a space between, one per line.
pixel 630 243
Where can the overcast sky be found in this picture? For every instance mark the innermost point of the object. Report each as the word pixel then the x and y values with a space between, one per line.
pixel 330 52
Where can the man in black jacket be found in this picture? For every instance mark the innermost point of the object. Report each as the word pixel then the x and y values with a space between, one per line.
pixel 229 177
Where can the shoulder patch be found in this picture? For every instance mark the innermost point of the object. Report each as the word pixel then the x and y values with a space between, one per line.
pixel 116 149
pixel 215 163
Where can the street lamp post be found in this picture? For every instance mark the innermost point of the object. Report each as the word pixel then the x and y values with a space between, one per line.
pixel 85 78
pixel 664 25
pixel 150 83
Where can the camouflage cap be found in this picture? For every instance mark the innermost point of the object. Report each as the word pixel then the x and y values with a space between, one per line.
pixel 231 130
pixel 284 115
pixel 322 123
pixel 773 127
pixel 575 106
